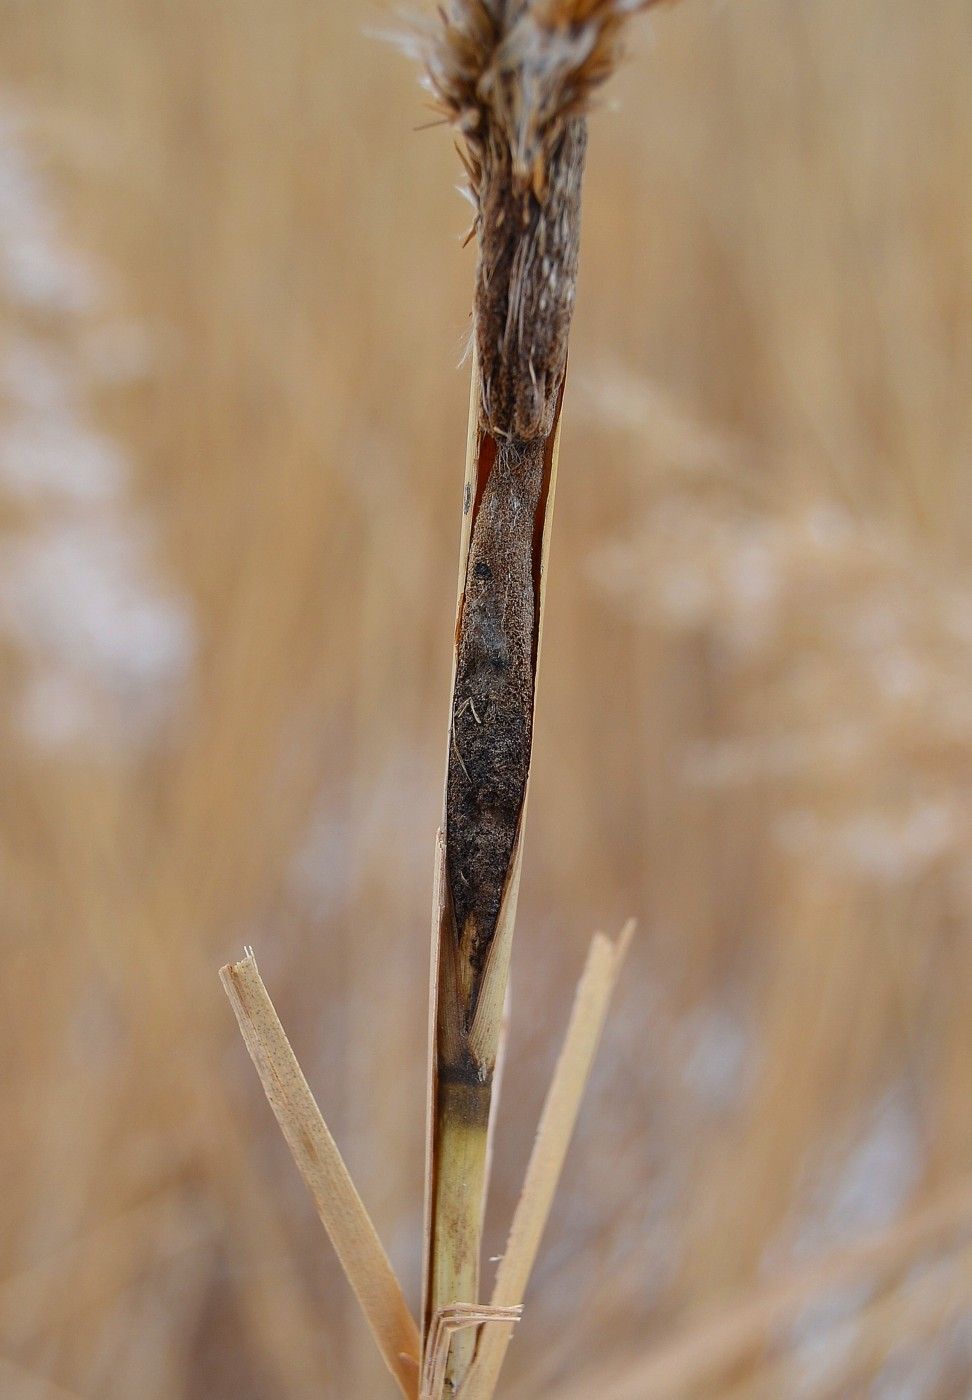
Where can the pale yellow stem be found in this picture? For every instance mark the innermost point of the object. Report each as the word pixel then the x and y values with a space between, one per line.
pixel 462 1135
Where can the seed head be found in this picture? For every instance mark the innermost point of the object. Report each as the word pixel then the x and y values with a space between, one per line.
pixel 516 71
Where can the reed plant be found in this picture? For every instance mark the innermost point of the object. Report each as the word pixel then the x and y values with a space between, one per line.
pixel 752 724
pixel 515 79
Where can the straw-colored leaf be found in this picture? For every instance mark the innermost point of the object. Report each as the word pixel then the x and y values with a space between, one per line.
pixel 547 1159
pixel 319 1162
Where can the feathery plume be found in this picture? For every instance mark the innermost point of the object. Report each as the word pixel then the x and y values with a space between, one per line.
pixel 518 70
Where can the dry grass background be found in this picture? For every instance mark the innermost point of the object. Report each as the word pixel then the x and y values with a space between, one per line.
pixel 231 437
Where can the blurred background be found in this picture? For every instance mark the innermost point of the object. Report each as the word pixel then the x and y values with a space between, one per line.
pixel 231 449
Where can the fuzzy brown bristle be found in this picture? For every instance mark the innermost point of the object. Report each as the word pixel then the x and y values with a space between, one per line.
pixel 518 70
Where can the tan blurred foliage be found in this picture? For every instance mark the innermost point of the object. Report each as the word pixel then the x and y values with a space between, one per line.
pixel 231 437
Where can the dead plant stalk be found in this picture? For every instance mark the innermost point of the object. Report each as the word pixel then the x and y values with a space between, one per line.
pixel 515 80
pixel 515 77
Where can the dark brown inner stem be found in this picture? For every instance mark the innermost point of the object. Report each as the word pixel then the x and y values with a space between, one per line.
pixel 492 719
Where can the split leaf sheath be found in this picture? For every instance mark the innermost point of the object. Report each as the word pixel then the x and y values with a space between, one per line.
pixel 525 294
pixel 524 297
pixel 515 78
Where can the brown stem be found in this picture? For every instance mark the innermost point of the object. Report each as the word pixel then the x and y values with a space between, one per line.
pixel 492 713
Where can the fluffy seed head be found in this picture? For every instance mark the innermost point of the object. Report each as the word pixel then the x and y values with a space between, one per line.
pixel 516 71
